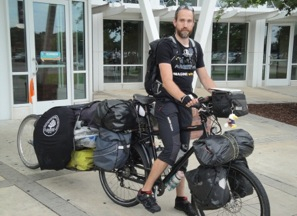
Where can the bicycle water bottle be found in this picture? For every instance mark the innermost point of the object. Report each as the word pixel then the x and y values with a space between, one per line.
pixel 175 180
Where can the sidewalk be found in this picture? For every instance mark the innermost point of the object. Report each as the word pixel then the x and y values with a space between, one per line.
pixel 49 193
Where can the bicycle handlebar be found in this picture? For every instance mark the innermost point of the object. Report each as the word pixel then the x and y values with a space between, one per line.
pixel 203 103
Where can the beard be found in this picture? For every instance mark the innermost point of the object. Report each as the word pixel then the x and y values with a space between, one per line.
pixel 185 33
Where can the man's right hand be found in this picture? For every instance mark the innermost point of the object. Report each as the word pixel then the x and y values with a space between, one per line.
pixel 188 100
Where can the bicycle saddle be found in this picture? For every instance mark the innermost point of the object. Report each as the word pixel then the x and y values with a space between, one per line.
pixel 143 99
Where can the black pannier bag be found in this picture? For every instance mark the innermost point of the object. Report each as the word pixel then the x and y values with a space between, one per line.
pixel 216 150
pixel 112 149
pixel 208 186
pixel 53 138
pixel 227 101
pixel 244 141
pixel 86 113
pixel 116 115
pixel 239 185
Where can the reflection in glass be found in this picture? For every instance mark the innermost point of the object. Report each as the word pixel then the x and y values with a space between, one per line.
pixel 133 42
pixel 168 3
pixel 279 52
pixel 80 86
pixel 20 89
pixel 78 28
pixel 50 40
pixel 112 74
pixel 263 72
pixel 166 29
pixel 18 36
pixel 219 43
pixel 278 70
pixel 133 50
pixel 133 74
pixel 229 51
pixel 218 72
pixel 294 73
pixel 280 42
pixel 123 63
pixel 131 1
pixel 265 43
pixel 294 60
pixel 51 84
pixel 237 43
pixel 112 41
pixel 49 23
pixel 236 73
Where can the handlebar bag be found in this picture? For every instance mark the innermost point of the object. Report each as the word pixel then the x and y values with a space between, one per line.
pixel 112 149
pixel 225 102
pixel 208 186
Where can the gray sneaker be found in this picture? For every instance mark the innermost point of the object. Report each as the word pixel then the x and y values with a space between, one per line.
pixel 148 201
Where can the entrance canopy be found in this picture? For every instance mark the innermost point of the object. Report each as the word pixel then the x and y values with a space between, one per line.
pixel 110 10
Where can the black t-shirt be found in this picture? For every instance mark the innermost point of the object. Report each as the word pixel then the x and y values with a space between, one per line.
pixel 183 64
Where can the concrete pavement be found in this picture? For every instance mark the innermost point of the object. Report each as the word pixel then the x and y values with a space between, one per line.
pixel 48 193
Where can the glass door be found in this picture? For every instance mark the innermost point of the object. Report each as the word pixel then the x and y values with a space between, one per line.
pixel 279 52
pixel 50 51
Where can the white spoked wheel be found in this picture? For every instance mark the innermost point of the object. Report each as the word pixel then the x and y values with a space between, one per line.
pixel 25 142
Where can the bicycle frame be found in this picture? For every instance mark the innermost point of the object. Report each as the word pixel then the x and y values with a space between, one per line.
pixel 122 184
pixel 160 183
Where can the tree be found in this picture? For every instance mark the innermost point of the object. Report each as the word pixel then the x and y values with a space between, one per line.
pixel 282 5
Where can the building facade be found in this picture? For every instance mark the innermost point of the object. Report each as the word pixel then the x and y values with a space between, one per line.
pixel 59 52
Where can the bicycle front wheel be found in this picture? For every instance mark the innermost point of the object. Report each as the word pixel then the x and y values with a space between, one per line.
pixel 249 198
pixel 25 142
pixel 122 185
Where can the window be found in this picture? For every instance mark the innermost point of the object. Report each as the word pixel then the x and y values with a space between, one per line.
pixel 123 62
pixel 179 2
pixel 131 1
pixel 167 29
pixel 20 89
pixel 78 28
pixel 229 51
pixel 124 1
pixel 19 59
pixel 294 59
pixel 264 52
pixel 79 49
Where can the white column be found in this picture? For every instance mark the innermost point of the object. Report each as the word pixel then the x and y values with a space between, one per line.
pixel 149 20
pixel 98 76
pixel 5 61
pixel 203 27
pixel 255 52
pixel 89 55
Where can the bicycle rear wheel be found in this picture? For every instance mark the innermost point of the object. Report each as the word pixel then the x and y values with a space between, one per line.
pixel 25 142
pixel 256 202
pixel 122 185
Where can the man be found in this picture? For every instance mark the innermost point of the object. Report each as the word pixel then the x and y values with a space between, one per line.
pixel 172 108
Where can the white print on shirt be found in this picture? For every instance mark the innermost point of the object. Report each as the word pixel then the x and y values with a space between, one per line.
pixel 182 73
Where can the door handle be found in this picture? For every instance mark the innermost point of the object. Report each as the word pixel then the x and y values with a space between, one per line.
pixel 36 66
